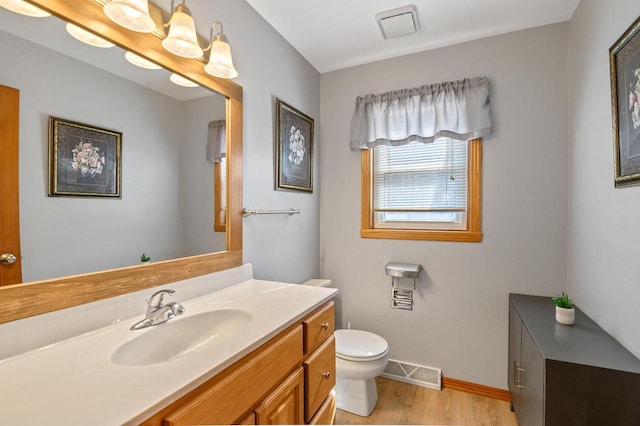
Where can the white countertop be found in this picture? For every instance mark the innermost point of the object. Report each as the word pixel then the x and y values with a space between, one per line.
pixel 75 382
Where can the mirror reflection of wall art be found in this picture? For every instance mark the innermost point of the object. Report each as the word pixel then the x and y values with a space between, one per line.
pixel 624 61
pixel 294 149
pixel 83 160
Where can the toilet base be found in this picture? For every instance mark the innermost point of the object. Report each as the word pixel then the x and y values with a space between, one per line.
pixel 356 396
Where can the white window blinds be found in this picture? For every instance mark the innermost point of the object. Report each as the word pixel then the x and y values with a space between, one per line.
pixel 420 178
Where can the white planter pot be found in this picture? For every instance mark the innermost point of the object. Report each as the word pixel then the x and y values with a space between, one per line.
pixel 565 316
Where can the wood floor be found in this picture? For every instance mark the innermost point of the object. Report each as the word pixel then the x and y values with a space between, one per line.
pixel 404 404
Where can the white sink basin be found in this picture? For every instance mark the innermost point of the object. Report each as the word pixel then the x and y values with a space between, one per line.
pixel 180 336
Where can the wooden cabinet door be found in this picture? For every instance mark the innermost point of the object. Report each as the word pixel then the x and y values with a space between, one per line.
pixel 283 406
pixel 531 410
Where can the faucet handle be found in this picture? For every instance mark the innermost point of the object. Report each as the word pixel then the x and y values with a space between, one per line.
pixel 160 296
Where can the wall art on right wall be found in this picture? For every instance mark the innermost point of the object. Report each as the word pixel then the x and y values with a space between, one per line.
pixel 624 62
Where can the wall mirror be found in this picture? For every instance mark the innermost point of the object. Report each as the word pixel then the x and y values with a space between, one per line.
pixel 175 194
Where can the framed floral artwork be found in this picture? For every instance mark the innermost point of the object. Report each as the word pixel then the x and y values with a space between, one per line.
pixel 294 149
pixel 84 160
pixel 624 62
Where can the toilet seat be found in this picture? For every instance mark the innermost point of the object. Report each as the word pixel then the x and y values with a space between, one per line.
pixel 359 345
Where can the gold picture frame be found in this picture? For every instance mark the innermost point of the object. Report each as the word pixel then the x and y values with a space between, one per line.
pixel 624 62
pixel 84 160
pixel 294 149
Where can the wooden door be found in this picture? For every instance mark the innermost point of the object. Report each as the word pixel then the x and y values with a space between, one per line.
pixel 10 256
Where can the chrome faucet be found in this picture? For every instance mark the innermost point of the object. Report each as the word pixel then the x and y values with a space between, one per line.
pixel 157 312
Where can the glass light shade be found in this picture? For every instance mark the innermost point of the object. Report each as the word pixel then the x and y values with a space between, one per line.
pixel 220 62
pixel 182 39
pixel 141 62
pixel 131 14
pixel 87 37
pixel 24 8
pixel 181 81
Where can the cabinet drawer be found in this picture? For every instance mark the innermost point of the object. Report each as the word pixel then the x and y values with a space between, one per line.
pixel 319 376
pixel 234 391
pixel 318 327
pixel 326 413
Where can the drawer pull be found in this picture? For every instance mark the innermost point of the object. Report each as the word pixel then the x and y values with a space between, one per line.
pixel 325 326
pixel 326 374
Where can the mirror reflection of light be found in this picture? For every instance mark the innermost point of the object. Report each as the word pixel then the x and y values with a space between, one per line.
pixel 87 37
pixel 181 81
pixel 141 62
pixel 131 14
pixel 24 8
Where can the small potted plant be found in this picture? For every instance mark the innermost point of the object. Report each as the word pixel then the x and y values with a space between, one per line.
pixel 565 313
pixel 144 258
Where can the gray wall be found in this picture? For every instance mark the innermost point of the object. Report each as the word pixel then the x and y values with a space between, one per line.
pixel 280 247
pixel 459 322
pixel 197 177
pixel 604 232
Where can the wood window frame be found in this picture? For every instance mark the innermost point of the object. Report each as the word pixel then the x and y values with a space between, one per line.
pixel 220 212
pixel 473 233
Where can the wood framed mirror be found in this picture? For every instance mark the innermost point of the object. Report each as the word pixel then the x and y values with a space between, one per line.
pixel 28 299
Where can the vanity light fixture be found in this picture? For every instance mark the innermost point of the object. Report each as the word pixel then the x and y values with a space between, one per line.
pixel 220 61
pixel 182 39
pixel 131 14
pixel 181 81
pixel 87 37
pixel 141 62
pixel 24 8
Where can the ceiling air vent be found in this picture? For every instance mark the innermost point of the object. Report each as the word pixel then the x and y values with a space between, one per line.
pixel 398 22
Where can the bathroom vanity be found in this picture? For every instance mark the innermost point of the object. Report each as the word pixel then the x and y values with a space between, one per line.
pixel 251 352
pixel 285 381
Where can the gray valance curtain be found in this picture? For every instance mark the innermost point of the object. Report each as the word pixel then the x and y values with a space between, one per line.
pixel 216 141
pixel 458 110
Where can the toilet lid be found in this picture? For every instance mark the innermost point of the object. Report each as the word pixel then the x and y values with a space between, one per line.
pixel 359 344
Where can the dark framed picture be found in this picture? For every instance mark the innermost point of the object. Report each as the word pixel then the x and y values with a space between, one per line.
pixel 84 160
pixel 294 149
pixel 624 62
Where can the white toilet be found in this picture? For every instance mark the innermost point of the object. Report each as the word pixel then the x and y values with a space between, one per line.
pixel 360 357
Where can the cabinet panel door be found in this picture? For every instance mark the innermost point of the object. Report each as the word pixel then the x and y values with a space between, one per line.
pixel 515 332
pixel 531 411
pixel 285 404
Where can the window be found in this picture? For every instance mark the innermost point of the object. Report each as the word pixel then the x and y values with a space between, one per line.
pixel 423 191
pixel 220 196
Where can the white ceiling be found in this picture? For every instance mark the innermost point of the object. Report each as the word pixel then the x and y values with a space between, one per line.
pixel 335 34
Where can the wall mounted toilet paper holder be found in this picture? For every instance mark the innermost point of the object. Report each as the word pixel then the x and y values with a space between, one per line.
pixel 402 298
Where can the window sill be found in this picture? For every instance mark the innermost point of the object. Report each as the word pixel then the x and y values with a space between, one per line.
pixel 411 234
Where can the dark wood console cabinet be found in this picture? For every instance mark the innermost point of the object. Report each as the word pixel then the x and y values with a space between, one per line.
pixel 563 375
